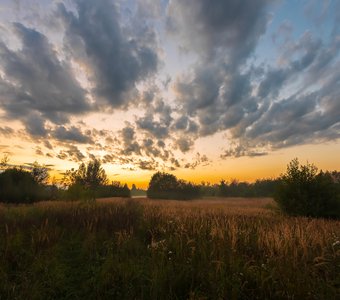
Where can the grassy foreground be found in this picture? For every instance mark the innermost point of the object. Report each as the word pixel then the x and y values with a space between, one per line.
pixel 142 249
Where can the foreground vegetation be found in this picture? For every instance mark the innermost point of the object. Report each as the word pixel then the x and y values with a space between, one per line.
pixel 213 249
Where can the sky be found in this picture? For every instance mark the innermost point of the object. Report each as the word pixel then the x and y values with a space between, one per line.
pixel 205 90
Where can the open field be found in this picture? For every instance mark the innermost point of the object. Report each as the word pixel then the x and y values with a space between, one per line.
pixel 216 248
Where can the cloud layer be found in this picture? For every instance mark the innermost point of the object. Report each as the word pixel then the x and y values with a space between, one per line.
pixel 250 73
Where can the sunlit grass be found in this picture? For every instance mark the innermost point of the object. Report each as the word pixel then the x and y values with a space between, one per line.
pixel 142 249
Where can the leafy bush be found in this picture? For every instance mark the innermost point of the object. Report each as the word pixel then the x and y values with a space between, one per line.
pixel 19 186
pixel 167 186
pixel 304 191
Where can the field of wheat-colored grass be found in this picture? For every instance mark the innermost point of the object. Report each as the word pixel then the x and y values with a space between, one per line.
pixel 217 248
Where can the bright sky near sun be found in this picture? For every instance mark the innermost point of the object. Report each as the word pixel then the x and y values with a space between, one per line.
pixel 202 89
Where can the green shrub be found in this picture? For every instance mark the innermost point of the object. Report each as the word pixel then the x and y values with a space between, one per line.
pixel 167 186
pixel 19 186
pixel 303 191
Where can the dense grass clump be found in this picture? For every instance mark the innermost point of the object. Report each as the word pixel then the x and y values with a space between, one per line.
pixel 164 250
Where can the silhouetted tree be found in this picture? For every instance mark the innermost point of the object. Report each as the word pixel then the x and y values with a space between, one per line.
pixel 166 186
pixel 85 181
pixel 4 161
pixel 19 186
pixel 261 188
pixel 137 192
pixel 305 191
pixel 39 173
pixel 115 189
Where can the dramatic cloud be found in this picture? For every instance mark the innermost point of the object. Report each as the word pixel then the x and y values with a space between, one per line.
pixel 141 83
pixel 118 54
pixel 224 91
pixel 129 141
pixel 6 131
pixel 36 83
pixel 239 151
pixel 221 28
pixel 72 134
pixel 198 160
pixel 72 154
pixel 218 90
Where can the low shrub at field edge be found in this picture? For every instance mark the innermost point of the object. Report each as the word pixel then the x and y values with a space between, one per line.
pixel 128 250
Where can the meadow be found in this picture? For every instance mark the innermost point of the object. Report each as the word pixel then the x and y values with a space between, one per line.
pixel 218 248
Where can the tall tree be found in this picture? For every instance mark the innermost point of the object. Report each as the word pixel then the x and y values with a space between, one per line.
pixel 39 173
pixel 304 191
pixel 90 177
pixel 4 161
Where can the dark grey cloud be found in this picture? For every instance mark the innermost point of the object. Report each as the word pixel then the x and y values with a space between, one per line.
pixel 181 123
pixel 39 152
pixel 184 144
pixel 217 92
pixel 72 154
pixel 157 118
pixel 6 131
pixel 148 165
pixel 261 105
pixel 230 28
pixel 118 53
pixel 175 163
pixel 72 134
pixel 272 83
pixel 155 128
pixel 198 160
pixel 36 82
pixel 47 144
pixel 129 139
pixel 223 90
pixel 35 125
pixel 241 150
pixel 140 146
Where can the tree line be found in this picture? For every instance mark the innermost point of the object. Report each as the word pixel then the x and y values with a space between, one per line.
pixel 30 184
pixel 301 190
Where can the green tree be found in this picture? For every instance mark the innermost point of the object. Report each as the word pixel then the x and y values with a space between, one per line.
pixel 304 191
pixel 19 186
pixel 167 186
pixel 4 161
pixel 86 181
pixel 162 185
pixel 40 173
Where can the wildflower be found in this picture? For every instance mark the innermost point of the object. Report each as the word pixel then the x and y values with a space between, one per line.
pixel 336 243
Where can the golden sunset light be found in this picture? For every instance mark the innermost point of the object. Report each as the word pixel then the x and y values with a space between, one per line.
pixel 162 86
pixel 169 149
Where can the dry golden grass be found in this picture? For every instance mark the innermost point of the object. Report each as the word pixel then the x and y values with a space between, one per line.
pixel 217 248
pixel 230 206
pixel 248 206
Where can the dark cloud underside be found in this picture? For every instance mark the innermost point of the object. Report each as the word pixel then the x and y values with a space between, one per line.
pixel 109 56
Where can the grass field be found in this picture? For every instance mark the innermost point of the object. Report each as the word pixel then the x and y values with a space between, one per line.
pixel 233 248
